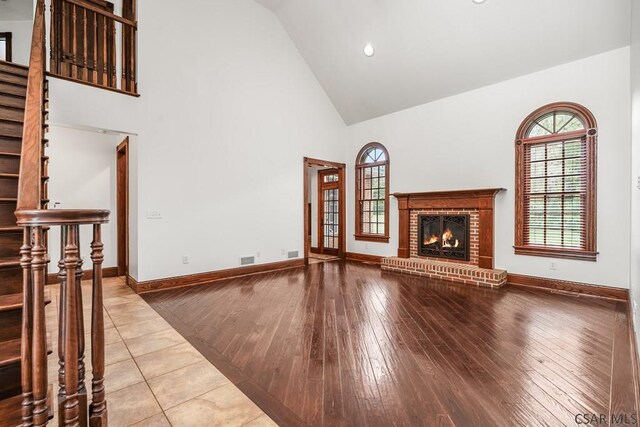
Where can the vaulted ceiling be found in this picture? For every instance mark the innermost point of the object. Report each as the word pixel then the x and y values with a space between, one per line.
pixel 430 49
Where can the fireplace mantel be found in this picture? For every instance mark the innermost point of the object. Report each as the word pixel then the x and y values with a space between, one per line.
pixel 480 199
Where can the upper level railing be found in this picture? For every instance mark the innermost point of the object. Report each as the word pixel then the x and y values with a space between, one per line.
pixel 73 407
pixel 86 36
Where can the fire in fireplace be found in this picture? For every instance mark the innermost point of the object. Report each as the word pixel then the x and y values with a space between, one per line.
pixel 444 236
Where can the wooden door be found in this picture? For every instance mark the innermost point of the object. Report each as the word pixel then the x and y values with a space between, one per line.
pixel 329 211
pixel 122 184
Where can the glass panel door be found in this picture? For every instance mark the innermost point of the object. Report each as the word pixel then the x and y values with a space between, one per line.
pixel 329 206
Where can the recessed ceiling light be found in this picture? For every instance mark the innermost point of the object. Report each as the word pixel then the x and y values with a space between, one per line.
pixel 478 1
pixel 369 50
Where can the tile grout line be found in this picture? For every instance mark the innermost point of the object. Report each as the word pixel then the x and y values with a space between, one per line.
pixel 143 376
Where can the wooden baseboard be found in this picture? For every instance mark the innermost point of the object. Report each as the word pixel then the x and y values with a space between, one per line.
pixel 635 351
pixel 212 276
pixel 53 279
pixel 371 259
pixel 583 289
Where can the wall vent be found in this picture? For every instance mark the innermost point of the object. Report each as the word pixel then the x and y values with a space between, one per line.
pixel 247 260
pixel 293 254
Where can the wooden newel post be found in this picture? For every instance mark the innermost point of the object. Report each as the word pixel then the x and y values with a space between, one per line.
pixel 98 408
pixel 27 322
pixel 39 338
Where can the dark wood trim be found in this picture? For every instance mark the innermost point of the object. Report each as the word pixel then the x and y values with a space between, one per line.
pixel 583 289
pixel 212 276
pixel 590 134
pixel 324 163
pixel 53 278
pixel 314 250
pixel 359 234
pixel 366 258
pixel 556 253
pixel 481 199
pixel 94 85
pixel 8 49
pixel 103 12
pixel 122 209
pixel 307 162
pixel 371 238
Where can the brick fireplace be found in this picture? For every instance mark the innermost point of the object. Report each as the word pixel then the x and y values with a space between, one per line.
pixel 448 235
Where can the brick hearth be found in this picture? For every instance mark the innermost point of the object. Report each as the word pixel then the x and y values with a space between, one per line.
pixel 452 271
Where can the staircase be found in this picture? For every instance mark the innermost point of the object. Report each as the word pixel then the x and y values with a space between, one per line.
pixel 13 88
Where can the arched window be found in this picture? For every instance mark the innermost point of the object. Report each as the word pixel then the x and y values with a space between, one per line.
pixel 556 150
pixel 372 193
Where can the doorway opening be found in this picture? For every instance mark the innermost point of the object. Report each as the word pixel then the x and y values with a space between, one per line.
pixel 324 210
pixel 5 47
pixel 122 206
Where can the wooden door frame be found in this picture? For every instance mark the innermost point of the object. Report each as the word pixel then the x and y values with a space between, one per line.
pixel 122 206
pixel 9 48
pixel 321 187
pixel 342 242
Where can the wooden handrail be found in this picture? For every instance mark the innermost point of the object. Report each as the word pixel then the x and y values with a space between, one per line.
pixel 30 180
pixel 50 217
pixel 102 12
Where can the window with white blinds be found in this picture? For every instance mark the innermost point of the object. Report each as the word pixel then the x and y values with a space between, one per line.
pixel 556 187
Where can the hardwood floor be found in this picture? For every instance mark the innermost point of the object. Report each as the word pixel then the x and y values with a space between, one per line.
pixel 342 343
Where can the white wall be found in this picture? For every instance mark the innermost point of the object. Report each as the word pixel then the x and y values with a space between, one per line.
pixel 223 124
pixel 635 160
pixel 467 141
pixel 20 39
pixel 82 173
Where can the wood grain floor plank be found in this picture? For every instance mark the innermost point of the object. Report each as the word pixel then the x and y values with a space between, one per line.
pixel 344 344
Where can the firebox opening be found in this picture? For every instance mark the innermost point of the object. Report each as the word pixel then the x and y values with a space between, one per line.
pixel 444 236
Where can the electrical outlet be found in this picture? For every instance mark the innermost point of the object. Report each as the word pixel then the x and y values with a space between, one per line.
pixel 366 246
pixel 154 215
pixel 639 183
pixel 553 266
pixel 185 259
pixel 284 252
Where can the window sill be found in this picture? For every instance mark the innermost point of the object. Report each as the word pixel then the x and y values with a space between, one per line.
pixel 556 253
pixel 372 238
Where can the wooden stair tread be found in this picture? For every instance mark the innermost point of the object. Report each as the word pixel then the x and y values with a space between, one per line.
pixel 11 409
pixel 10 228
pixel 10 89
pixel 11 78
pixel 14 68
pixel 16 176
pixel 10 350
pixel 14 301
pixel 10 262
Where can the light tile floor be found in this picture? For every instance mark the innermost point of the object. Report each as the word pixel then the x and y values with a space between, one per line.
pixel 154 377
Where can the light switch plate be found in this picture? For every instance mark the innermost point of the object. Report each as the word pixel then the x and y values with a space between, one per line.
pixel 154 215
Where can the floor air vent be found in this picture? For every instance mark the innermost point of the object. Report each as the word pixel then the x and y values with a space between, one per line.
pixel 292 254
pixel 247 260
